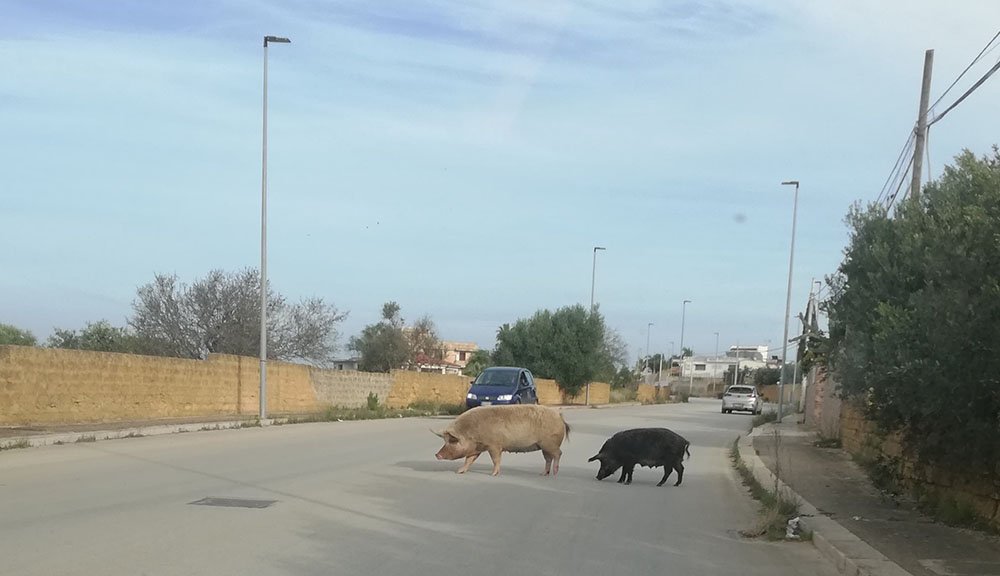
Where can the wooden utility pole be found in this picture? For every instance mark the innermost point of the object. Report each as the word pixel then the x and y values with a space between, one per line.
pixel 921 135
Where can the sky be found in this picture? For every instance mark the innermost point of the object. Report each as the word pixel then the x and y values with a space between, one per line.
pixel 464 158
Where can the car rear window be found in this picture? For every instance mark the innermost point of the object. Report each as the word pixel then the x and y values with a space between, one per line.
pixel 740 390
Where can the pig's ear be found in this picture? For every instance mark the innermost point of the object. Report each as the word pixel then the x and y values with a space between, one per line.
pixel 592 458
pixel 439 434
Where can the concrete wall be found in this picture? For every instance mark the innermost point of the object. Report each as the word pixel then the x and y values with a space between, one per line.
pixel 41 386
pixel 859 437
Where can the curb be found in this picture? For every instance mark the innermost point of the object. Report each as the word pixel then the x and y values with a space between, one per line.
pixel 851 555
pixel 35 440
pixel 55 438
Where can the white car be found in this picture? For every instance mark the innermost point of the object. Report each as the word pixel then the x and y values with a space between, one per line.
pixel 743 398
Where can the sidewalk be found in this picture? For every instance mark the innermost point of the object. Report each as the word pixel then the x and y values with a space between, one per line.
pixel 840 490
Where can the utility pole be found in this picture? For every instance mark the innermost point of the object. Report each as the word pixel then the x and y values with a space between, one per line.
pixel 921 136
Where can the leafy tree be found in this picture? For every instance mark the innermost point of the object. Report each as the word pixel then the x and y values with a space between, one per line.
pixel 766 376
pixel 10 334
pixel 383 346
pixel 478 361
pixel 424 344
pixel 389 344
pixel 570 345
pixel 624 378
pixel 686 351
pixel 221 314
pixel 913 313
pixel 98 336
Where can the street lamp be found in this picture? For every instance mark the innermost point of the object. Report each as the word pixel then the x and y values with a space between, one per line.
pixel 684 308
pixel 716 345
pixel 593 277
pixel 788 298
pixel 648 326
pixel 263 242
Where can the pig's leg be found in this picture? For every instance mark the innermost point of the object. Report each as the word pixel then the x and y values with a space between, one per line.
pixel 468 463
pixel 680 473
pixel 548 463
pixel 495 455
pixel 667 469
pixel 621 479
pixel 555 463
pixel 630 468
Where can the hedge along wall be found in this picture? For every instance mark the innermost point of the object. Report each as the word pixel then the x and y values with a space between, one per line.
pixel 53 386
pixel 979 492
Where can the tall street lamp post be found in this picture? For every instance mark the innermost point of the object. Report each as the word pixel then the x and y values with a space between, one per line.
pixel 263 242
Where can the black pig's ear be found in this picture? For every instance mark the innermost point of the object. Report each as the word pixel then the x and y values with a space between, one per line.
pixel 592 458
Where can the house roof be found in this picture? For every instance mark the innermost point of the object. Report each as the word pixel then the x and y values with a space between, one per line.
pixel 459 346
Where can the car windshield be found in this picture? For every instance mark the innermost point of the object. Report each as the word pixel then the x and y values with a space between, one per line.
pixel 740 390
pixel 504 378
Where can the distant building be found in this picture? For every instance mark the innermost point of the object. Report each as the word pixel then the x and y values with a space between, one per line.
pixel 346 364
pixel 714 367
pixel 457 353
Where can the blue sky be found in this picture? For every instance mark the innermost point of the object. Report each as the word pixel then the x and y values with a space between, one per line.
pixel 463 158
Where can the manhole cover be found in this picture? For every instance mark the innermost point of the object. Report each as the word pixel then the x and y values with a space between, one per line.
pixel 233 502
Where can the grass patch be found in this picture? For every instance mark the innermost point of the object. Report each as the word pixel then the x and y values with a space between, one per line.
pixel 626 394
pixel 764 418
pixel 85 439
pixel 776 508
pixel 16 444
pixel 133 435
pixel 437 409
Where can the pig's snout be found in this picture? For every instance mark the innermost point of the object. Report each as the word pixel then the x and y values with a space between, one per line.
pixel 439 456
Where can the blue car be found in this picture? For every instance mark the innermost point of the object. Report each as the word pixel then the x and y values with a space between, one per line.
pixel 502 385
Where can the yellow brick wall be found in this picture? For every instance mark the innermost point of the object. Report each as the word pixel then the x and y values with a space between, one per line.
pixel 409 387
pixel 646 393
pixel 858 436
pixel 51 386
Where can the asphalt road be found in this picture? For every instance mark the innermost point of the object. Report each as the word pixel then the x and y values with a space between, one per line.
pixel 369 498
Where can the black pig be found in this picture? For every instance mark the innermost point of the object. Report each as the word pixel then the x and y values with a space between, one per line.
pixel 650 447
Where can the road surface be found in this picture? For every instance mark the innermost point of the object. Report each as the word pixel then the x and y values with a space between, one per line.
pixel 363 498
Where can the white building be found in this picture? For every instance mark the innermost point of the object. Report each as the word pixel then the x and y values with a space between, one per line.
pixel 713 367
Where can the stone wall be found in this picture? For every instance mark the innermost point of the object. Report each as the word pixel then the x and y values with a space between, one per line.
pixel 409 387
pixel 979 492
pixel 52 386
pixel 40 386
pixel 349 388
pixel 822 405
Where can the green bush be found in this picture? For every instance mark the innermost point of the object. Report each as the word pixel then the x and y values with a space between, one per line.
pixel 912 316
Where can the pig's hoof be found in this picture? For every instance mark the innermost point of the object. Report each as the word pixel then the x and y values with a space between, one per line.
pixel 459 471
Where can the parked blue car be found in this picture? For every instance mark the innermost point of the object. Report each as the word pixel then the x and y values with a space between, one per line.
pixel 502 385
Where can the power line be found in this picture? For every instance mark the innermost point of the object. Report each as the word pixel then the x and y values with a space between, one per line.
pixel 967 68
pixel 927 148
pixel 907 147
pixel 901 175
pixel 967 93
pixel 901 180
